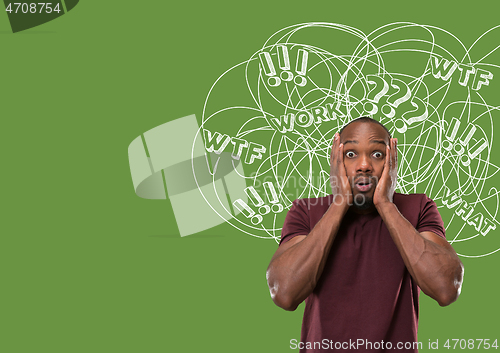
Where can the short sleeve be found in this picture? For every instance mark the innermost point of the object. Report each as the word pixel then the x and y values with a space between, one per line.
pixel 429 219
pixel 296 222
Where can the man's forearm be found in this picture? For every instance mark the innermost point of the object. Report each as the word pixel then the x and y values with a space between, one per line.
pixel 435 267
pixel 292 275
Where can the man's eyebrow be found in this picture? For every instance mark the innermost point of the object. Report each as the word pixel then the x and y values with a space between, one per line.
pixel 350 141
pixel 379 141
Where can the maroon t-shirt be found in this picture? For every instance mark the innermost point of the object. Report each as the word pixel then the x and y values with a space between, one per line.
pixel 365 291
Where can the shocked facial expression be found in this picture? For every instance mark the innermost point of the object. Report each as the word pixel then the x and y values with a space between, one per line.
pixel 364 157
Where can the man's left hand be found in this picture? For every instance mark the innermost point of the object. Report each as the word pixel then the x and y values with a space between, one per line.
pixel 387 184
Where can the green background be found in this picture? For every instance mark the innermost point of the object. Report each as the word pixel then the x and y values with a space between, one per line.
pixel 87 266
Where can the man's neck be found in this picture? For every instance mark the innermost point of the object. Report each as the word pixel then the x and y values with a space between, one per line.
pixel 362 211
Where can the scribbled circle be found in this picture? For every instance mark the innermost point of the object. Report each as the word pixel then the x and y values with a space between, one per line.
pixel 278 111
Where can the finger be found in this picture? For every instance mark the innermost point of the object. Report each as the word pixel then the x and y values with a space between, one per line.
pixel 395 151
pixel 391 153
pixel 388 151
pixel 334 146
pixel 333 161
pixel 343 171
pixel 340 156
pixel 387 163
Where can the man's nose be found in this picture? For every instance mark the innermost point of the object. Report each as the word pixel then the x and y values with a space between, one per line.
pixel 364 164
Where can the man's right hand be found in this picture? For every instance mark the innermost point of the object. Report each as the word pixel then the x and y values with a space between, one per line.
pixel 297 265
pixel 341 188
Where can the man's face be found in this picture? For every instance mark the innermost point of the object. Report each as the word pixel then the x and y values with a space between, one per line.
pixel 364 157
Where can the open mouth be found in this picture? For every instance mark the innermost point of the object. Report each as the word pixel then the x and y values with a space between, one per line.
pixel 363 184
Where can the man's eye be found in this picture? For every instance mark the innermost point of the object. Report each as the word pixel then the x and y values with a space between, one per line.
pixel 377 154
pixel 350 154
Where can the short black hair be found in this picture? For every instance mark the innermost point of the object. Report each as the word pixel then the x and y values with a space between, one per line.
pixel 365 119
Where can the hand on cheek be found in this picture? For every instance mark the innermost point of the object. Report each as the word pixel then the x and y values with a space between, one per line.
pixel 384 191
pixel 341 188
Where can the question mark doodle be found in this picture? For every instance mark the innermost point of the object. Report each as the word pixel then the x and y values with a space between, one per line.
pixel 413 116
pixel 402 94
pixel 372 97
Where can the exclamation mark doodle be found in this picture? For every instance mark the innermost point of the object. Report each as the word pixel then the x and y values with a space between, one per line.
pixel 284 63
pixel 468 135
pixel 459 146
pixel 247 211
pixel 478 148
pixel 257 201
pixel 301 68
pixel 286 75
pixel 451 134
pixel 463 141
pixel 267 65
pixel 273 197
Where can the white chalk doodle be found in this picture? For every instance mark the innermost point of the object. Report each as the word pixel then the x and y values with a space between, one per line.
pixel 281 107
